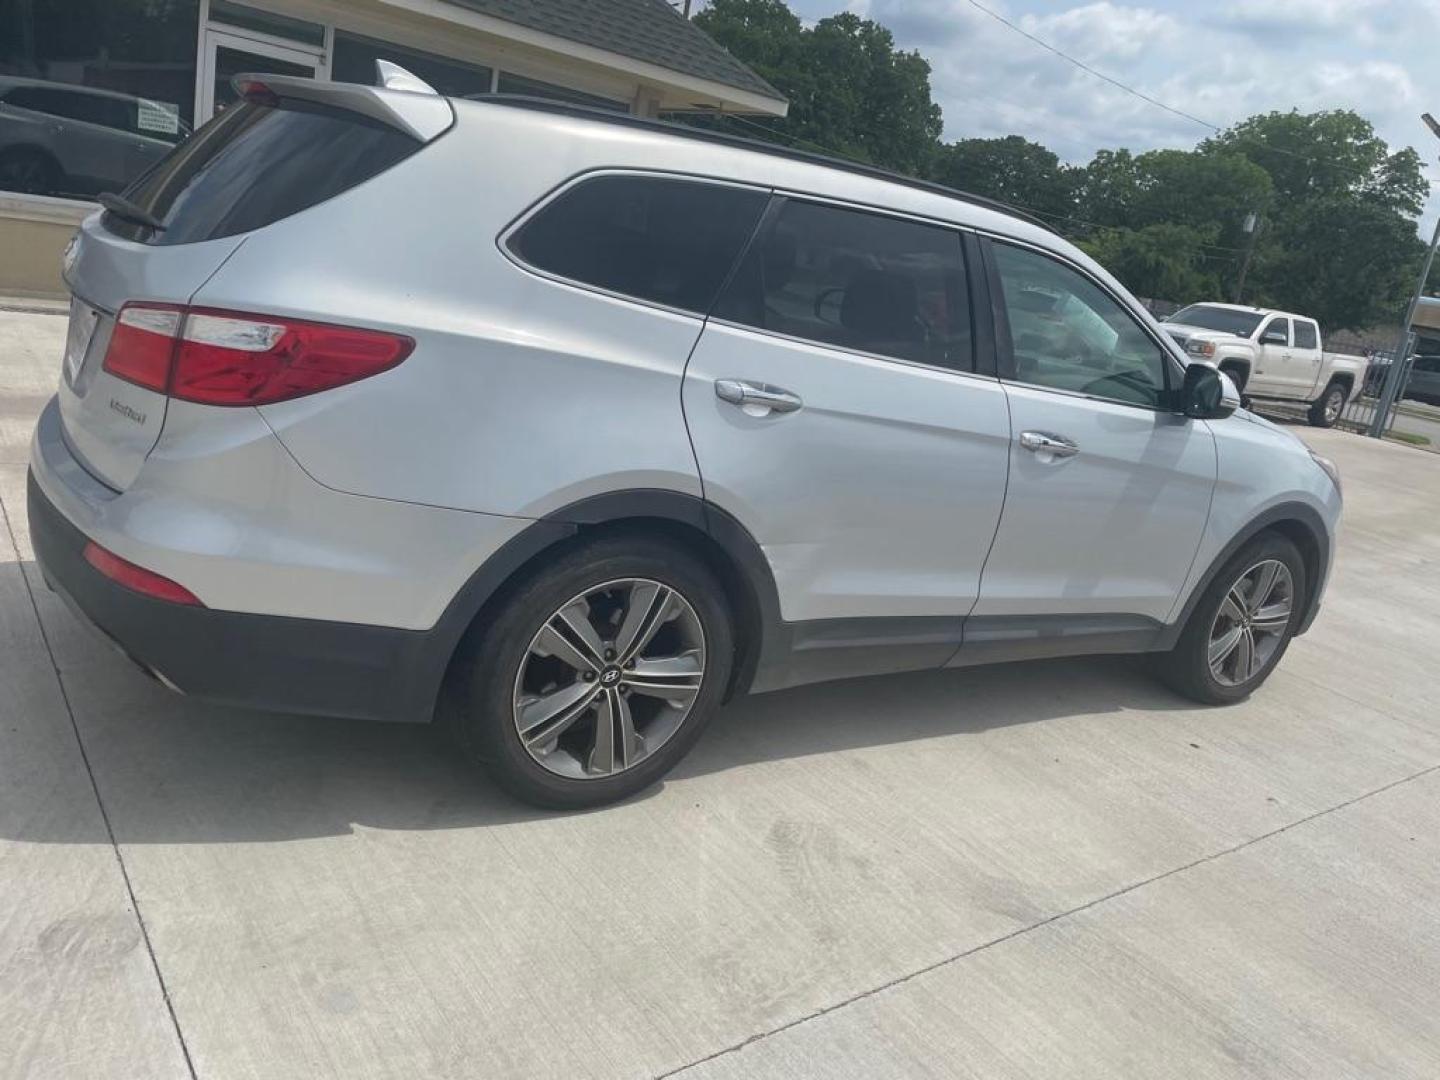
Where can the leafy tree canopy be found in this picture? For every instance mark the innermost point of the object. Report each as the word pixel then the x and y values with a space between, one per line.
pixel 851 91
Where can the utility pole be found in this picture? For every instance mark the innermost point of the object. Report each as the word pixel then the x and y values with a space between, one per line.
pixel 1396 377
pixel 1251 226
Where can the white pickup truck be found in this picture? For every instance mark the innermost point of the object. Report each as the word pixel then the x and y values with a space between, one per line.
pixel 1269 354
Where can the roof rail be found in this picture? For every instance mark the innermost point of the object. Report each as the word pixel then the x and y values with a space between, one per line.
pixel 589 112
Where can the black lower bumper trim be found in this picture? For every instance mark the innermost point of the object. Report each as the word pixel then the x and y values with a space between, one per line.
pixel 257 661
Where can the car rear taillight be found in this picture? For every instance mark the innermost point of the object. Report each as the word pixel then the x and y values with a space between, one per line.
pixel 257 93
pixel 231 358
pixel 142 345
pixel 137 578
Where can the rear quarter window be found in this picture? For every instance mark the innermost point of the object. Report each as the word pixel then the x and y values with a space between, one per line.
pixel 667 241
pixel 256 164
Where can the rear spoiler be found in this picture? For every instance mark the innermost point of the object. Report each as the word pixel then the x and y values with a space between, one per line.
pixel 400 102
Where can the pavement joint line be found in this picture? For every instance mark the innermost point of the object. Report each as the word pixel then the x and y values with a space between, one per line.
pixel 1020 931
pixel 99 802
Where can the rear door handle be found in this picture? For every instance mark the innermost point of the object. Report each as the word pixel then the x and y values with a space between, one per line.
pixel 1044 444
pixel 757 399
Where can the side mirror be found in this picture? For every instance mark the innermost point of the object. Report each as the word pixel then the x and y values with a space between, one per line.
pixel 1273 337
pixel 1207 394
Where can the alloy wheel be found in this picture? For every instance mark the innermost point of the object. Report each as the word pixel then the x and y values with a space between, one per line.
pixel 1251 623
pixel 1333 404
pixel 609 678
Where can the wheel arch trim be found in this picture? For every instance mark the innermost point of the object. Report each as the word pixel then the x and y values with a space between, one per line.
pixel 731 551
pixel 1287 517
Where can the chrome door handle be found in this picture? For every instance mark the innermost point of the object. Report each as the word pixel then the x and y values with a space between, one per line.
pixel 754 397
pixel 1040 442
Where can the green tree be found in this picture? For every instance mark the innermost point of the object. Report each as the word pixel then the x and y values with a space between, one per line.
pixel 1107 188
pixel 1160 261
pixel 1326 154
pixel 851 91
pixel 1011 169
pixel 1340 241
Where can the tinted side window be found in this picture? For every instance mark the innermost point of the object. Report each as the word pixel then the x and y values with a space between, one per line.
pixel 1068 334
pixel 857 280
pixel 1305 335
pixel 668 241
pixel 1278 326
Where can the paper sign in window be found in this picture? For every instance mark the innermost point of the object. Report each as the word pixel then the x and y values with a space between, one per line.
pixel 158 116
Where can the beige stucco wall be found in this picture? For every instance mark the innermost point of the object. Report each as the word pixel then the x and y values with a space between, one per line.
pixel 33 234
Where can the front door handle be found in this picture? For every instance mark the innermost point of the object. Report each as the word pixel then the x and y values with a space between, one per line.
pixel 1047 445
pixel 756 399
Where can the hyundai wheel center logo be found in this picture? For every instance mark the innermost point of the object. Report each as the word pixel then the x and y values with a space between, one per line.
pixel 610 676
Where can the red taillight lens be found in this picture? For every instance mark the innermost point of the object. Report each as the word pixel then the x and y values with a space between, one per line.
pixel 137 578
pixel 230 358
pixel 142 345
pixel 226 358
pixel 257 93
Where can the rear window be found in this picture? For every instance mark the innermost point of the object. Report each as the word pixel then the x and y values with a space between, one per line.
pixel 668 241
pixel 1306 336
pixel 256 164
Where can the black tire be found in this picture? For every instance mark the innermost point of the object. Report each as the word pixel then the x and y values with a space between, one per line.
pixel 478 707
pixel 1239 375
pixel 29 171
pixel 1326 409
pixel 1186 668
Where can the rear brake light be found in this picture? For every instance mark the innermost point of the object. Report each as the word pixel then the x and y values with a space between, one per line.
pixel 137 578
pixel 143 344
pixel 230 358
pixel 257 93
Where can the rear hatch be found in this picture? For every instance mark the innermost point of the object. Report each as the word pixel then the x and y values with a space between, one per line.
pixel 288 145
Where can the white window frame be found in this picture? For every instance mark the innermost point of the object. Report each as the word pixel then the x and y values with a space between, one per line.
pixel 220 35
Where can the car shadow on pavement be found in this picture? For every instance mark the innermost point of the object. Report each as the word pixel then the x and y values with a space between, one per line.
pixel 174 771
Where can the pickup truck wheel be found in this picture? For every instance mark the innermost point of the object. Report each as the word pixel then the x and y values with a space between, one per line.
pixel 1326 410
pixel 1239 375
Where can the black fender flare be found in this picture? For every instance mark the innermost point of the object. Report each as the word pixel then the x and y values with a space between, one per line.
pixel 1290 514
pixel 745 568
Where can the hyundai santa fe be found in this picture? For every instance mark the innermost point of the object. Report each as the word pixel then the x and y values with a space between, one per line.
pixel 561 428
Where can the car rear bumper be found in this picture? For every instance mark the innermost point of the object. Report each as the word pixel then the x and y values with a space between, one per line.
pixel 257 661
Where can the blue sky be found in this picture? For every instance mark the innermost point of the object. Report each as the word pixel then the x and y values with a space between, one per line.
pixel 1220 60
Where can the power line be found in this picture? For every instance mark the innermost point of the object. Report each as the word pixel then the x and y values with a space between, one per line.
pixel 1354 170
pixel 1086 67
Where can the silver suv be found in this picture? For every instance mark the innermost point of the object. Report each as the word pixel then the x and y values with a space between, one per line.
pixel 562 428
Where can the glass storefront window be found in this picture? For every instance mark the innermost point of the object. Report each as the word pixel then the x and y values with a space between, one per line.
pixel 355 56
pixel 92 92
pixel 280 26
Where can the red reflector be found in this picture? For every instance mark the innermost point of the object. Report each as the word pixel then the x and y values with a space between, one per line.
pixel 142 345
pixel 228 358
pixel 137 578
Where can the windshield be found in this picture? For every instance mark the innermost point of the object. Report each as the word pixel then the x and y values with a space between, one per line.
pixel 1208 317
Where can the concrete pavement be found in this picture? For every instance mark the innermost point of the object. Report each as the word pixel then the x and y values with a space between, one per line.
pixel 1036 870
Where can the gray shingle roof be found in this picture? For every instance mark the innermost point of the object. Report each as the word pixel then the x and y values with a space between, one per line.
pixel 649 30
